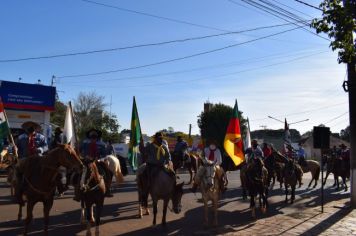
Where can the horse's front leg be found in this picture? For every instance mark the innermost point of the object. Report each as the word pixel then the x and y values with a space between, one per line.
pixel 191 175
pixel 252 205
pixel 19 214
pixel 215 211
pixel 29 216
pixel 286 192
pixel 165 205
pixel 344 180
pixel 82 212
pixel 326 176
pixel 154 202
pixel 47 205
pixel 292 194
pixel 98 209
pixel 88 212
pixel 206 213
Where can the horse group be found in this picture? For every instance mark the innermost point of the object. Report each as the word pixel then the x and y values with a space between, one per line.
pixel 94 179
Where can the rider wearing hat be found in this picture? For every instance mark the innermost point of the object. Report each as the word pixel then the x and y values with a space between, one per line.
pixel 254 151
pixel 32 142
pixel 180 149
pixel 92 147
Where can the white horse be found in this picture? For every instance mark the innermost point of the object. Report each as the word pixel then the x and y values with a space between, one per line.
pixel 113 163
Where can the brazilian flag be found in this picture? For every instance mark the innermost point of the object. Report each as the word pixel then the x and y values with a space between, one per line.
pixel 135 137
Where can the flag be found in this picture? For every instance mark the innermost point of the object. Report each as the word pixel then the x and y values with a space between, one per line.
pixel 247 140
pixel 287 136
pixel 233 143
pixel 135 137
pixel 4 127
pixel 68 131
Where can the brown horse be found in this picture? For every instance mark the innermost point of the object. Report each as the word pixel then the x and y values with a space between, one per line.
pixel 256 178
pixel 161 185
pixel 190 163
pixel 290 178
pixel 37 180
pixel 93 186
pixel 314 168
pixel 338 168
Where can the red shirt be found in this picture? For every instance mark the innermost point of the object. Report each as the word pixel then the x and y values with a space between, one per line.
pixel 267 152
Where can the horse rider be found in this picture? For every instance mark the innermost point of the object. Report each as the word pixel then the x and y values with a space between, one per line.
pixel 58 138
pixel 345 156
pixel 31 142
pixel 267 150
pixel 110 150
pixel 211 153
pixel 292 156
pixel 92 149
pixel 180 150
pixel 158 158
pixel 254 151
pixel 301 155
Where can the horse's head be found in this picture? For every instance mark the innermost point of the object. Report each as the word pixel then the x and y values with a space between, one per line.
pixel 209 173
pixel 90 177
pixel 68 157
pixel 177 197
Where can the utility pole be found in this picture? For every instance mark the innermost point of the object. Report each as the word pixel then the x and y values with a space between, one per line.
pixel 53 80
pixel 350 87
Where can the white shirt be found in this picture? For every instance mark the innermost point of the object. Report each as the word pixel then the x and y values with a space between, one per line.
pixel 217 155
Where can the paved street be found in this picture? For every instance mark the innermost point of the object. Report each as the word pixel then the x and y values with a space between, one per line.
pixel 120 214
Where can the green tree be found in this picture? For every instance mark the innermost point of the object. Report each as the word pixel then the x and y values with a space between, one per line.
pixel 58 116
pixel 345 134
pixel 89 112
pixel 213 123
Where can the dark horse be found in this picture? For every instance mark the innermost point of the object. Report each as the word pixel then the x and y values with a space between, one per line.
pixel 93 186
pixel 36 179
pixel 290 178
pixel 190 163
pixel 256 177
pixel 162 186
pixel 339 168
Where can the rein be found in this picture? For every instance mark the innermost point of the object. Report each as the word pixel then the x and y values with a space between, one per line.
pixel 86 187
pixel 46 194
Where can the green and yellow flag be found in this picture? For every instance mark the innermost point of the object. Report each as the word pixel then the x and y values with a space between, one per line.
pixel 233 142
pixel 135 137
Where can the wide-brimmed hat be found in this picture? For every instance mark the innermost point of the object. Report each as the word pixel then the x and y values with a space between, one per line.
pixel 29 124
pixel 342 145
pixel 93 130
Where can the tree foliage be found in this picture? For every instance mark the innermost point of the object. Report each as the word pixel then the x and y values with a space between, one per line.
pixel 58 116
pixel 338 22
pixel 89 110
pixel 345 134
pixel 213 123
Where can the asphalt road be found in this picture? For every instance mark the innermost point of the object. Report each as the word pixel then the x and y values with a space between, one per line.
pixel 120 214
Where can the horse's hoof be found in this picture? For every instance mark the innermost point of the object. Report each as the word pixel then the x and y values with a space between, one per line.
pixel 92 221
pixel 263 209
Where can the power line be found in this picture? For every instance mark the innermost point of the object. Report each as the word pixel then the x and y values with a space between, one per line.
pixel 335 118
pixel 303 112
pixel 179 58
pixel 240 62
pixel 277 13
pixel 141 45
pixel 292 8
pixel 214 76
pixel 155 16
pixel 309 5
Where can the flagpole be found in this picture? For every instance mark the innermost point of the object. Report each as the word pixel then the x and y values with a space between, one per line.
pixel 11 137
pixel 76 147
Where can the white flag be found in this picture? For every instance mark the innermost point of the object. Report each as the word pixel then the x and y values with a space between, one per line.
pixel 68 132
pixel 247 141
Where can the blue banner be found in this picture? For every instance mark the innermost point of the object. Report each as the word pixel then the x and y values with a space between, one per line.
pixel 27 96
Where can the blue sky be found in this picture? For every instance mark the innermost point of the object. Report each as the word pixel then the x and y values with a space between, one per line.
pixel 293 75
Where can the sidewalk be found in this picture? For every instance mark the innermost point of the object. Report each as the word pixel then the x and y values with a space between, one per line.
pixel 337 219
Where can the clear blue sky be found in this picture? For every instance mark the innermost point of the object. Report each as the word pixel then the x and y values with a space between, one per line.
pixel 293 75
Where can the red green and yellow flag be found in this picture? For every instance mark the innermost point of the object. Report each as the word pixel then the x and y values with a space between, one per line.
pixel 135 137
pixel 4 128
pixel 233 142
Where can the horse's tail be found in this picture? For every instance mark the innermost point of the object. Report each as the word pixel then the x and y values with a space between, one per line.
pixel 317 173
pixel 119 176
